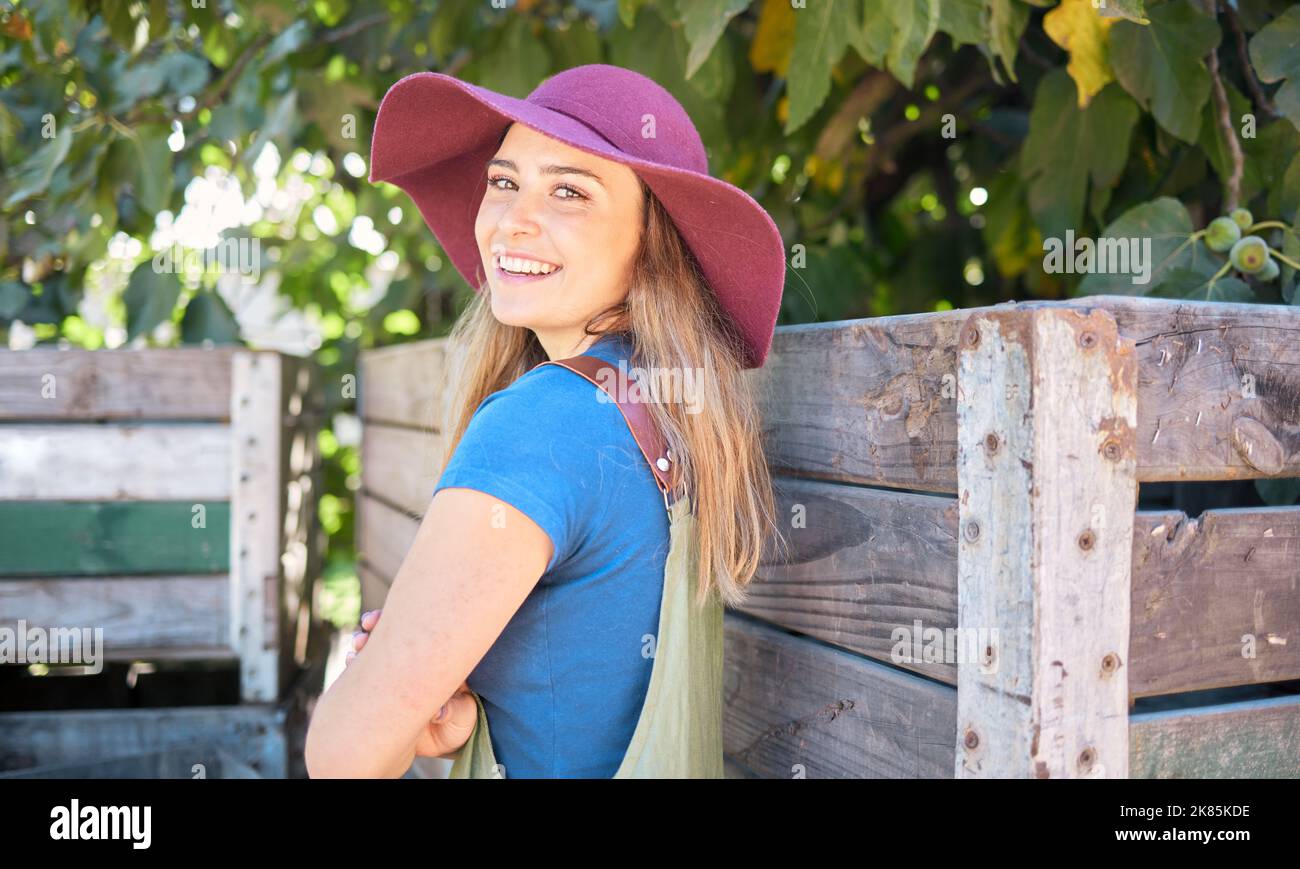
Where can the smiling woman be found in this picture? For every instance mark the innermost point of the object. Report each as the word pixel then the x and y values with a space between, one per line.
pixel 572 566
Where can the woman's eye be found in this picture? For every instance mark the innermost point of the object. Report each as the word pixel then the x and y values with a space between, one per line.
pixel 577 194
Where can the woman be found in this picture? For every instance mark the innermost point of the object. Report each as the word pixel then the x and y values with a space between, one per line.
pixel 562 601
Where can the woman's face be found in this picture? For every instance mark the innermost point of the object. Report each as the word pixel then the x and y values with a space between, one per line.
pixel 554 204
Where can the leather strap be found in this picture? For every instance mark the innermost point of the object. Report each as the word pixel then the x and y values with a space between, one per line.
pixel 617 384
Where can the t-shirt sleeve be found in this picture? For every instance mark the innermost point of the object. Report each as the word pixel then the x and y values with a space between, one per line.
pixel 536 445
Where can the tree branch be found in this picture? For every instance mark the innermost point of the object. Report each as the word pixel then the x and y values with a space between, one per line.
pixel 1223 112
pixel 1262 102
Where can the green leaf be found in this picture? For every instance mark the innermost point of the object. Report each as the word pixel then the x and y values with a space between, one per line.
pixel 286 42
pixel 627 12
pixel 208 318
pixel 1162 64
pixel 516 64
pixel 915 23
pixel 280 120
pixel 1290 278
pixel 963 20
pixel 1067 148
pixel 144 162
pixel 1275 54
pixel 158 24
pixel 150 297
pixel 1286 196
pixel 872 41
pixel 821 34
pixel 33 175
pixel 1007 21
pixel 1133 10
pixel 1166 222
pixel 1191 284
pixel 704 21
pixel 117 14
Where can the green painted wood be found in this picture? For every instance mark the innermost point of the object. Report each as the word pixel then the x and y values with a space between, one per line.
pixel 93 538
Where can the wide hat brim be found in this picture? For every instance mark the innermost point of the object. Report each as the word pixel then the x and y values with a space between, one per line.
pixel 435 133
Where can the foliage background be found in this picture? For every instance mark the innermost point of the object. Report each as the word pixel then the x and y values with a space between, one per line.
pixel 914 153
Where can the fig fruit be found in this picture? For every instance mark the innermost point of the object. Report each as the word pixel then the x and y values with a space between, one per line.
pixel 1222 234
pixel 1250 255
pixel 1243 218
pixel 1270 270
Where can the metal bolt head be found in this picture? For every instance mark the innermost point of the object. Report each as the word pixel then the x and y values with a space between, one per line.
pixel 1086 759
pixel 1087 539
pixel 991 443
pixel 1111 451
pixel 972 740
pixel 1087 340
pixel 1110 663
pixel 972 531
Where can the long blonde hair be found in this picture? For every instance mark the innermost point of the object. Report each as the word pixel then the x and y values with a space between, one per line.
pixel 675 323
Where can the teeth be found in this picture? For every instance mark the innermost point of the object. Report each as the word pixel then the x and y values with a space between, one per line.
pixel 524 266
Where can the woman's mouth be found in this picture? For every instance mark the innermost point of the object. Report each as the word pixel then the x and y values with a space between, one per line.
pixel 518 271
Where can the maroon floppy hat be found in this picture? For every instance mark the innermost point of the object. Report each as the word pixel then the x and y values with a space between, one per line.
pixel 434 135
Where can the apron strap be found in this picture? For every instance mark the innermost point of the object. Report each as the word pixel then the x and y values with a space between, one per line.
pixel 615 382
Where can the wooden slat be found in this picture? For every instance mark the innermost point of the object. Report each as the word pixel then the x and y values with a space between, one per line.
pixel 115 462
pixel 257 523
pixel 872 401
pixel 866 401
pixel 153 383
pixel 400 465
pixel 871 561
pixel 863 564
pixel 1216 600
pixel 798 708
pixel 251 733
pixel 1046 469
pixel 1252 739
pixel 384 535
pixel 404 385
pixel 135 612
pixel 58 538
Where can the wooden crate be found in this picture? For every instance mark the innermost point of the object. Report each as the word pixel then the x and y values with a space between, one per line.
pixel 167 496
pixel 978 470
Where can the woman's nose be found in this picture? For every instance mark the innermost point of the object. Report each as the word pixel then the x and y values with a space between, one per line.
pixel 521 213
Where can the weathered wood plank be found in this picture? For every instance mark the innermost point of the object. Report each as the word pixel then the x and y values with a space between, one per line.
pixel 1216 600
pixel 797 708
pixel 66 538
pixel 873 401
pixel 256 531
pixel 401 465
pixel 115 462
pixel 135 612
pixel 384 535
pixel 251 733
pixel 1253 739
pixel 153 383
pixel 1046 471
pixel 869 570
pixel 1198 586
pixel 866 401
pixel 405 384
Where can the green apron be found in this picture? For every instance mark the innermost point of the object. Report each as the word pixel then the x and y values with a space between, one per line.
pixel 679 731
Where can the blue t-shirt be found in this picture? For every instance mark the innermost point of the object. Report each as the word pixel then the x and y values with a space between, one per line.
pixel 564 684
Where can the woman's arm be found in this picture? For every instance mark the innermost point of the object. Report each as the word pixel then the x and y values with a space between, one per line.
pixel 474 561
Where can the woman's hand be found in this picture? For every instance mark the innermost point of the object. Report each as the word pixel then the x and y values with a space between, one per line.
pixel 451 727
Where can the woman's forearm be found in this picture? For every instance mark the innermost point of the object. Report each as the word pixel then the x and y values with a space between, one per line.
pixel 341 744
